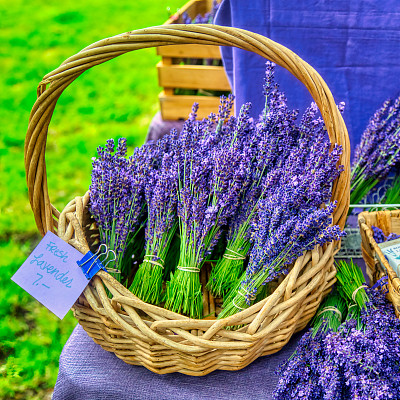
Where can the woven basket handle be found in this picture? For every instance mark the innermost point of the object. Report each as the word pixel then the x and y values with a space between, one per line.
pixel 54 83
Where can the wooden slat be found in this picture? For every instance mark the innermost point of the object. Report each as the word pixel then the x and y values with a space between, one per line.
pixel 192 77
pixel 179 107
pixel 190 51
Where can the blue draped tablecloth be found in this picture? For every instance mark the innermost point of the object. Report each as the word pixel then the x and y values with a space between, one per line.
pixel 87 372
pixel 353 44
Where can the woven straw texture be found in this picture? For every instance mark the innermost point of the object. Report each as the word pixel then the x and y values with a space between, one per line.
pixel 148 335
pixel 388 221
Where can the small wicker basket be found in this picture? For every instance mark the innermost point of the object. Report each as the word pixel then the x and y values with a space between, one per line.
pixel 144 334
pixel 388 221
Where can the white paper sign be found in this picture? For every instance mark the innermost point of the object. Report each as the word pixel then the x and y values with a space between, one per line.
pixel 51 275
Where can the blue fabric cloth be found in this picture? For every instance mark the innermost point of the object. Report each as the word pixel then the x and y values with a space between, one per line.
pixel 87 372
pixel 354 45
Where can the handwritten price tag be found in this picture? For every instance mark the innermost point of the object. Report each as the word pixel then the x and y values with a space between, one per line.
pixel 51 275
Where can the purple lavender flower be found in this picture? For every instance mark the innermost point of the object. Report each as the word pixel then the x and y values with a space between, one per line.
pixel 378 152
pixel 161 194
pixel 367 357
pixel 307 374
pixel 280 153
pixel 280 236
pixel 213 173
pixel 292 169
pixel 117 194
pixel 380 237
pixel 289 221
pixel 356 360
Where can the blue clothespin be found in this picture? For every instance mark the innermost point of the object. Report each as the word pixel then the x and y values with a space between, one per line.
pixel 91 264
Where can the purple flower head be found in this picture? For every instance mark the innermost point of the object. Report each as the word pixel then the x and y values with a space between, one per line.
pixel 117 192
pixel 379 236
pixel 378 152
pixel 282 234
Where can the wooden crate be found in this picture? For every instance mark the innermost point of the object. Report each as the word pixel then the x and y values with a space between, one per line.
pixel 175 71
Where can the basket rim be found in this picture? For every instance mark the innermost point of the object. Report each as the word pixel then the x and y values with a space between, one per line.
pixel 368 239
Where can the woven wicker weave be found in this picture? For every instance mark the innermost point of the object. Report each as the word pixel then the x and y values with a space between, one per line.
pixel 388 221
pixel 145 334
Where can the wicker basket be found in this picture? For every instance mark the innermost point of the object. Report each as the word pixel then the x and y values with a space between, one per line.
pixel 174 75
pixel 388 221
pixel 148 335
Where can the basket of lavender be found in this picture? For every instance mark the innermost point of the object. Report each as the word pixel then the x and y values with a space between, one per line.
pixel 224 233
pixel 377 228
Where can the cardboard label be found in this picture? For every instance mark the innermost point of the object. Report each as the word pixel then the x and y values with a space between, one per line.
pixel 52 276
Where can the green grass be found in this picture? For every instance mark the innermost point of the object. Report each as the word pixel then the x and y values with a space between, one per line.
pixel 115 99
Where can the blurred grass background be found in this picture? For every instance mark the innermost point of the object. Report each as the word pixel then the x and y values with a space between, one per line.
pixel 115 99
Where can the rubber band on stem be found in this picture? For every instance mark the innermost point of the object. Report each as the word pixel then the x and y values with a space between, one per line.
pixel 152 261
pixel 353 296
pixel 235 256
pixel 188 269
pixel 325 309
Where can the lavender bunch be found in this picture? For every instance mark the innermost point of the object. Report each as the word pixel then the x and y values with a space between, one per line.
pixel 358 359
pixel 281 149
pixel 378 152
pixel 117 194
pixel 161 198
pixel 352 283
pixel 302 376
pixel 366 352
pixel 212 169
pixel 281 235
pixel 289 220
pixel 266 140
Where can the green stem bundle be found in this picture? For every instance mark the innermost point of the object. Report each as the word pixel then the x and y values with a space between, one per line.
pixel 352 283
pixel 229 268
pixel 330 314
pixel 147 284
